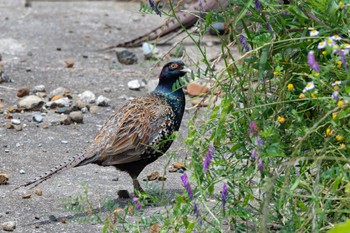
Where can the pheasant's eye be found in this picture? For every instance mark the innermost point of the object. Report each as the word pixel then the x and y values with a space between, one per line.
pixel 174 66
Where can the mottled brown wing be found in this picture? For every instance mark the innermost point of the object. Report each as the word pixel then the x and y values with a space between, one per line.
pixel 126 135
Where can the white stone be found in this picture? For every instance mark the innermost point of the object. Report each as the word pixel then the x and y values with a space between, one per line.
pixel 102 101
pixel 87 97
pixel 30 102
pixel 16 121
pixel 134 85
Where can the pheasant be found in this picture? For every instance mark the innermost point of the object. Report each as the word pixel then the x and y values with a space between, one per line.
pixel 138 133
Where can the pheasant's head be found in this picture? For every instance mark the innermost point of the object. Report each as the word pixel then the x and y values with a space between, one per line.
pixel 172 71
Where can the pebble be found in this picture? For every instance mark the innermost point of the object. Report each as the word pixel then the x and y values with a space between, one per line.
pixel 3 178
pixel 18 127
pixel 16 121
pixel 9 125
pixel 102 101
pixel 9 226
pixel 39 88
pixel 195 89
pixel 26 195
pixel 149 51
pixel 23 91
pixel 30 102
pixel 57 97
pixel 28 69
pixel 153 176
pixel 93 109
pixel 57 91
pixel 7 116
pixel 87 97
pixel 38 192
pixel 84 110
pixel 41 94
pixel 77 116
pixel 63 102
pixel 64 142
pixel 134 85
pixel 11 109
pixel 63 110
pixel 69 63
pixel 53 218
pixel 22 171
pixel 38 118
pixel 65 120
pixel 107 90
pixel 126 57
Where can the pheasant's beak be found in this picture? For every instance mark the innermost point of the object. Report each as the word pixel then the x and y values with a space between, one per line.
pixel 186 70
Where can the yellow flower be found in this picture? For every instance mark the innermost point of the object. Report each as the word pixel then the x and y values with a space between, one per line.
pixel 342 146
pixel 339 64
pixel 336 88
pixel 313 95
pixel 334 115
pixel 290 87
pixel 302 96
pixel 324 53
pixel 339 138
pixel 340 4
pixel 340 103
pixel 276 73
pixel 329 132
pixel 281 119
pixel 316 74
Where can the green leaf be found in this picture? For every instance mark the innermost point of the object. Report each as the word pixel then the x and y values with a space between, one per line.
pixel 341 228
pixel 263 60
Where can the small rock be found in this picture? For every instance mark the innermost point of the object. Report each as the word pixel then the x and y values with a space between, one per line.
pixel 7 150
pixel 11 109
pixel 123 194
pixel 30 53
pixel 153 176
pixel 57 97
pixel 149 51
pixel 93 109
pixel 80 104
pixel 85 56
pixel 22 171
pixel 102 101
pixel 195 89
pixel 65 120
pixel 16 121
pixel 45 126
pixel 134 85
pixel 57 91
pixel 3 178
pixel 38 192
pixel 26 195
pixel 200 102
pixel 76 116
pixel 106 57
pixel 87 97
pixel 107 90
pixel 28 69
pixel 84 110
pixel 9 226
pixel 63 110
pixel 53 218
pixel 39 88
pixel 63 102
pixel 23 91
pixel 177 166
pixel 7 116
pixel 9 125
pixel 64 142
pixel 38 118
pixel 41 94
pixel 18 127
pixel 30 102
pixel 126 57
pixel 69 63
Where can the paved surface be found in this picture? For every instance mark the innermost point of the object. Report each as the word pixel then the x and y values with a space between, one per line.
pixel 29 38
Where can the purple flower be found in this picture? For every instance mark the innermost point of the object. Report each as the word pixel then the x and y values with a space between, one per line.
pixel 259 142
pixel 343 59
pixel 243 41
pixel 208 159
pixel 257 5
pixel 335 95
pixel 195 209
pixel 253 129
pixel 187 185
pixel 224 196
pixel 254 154
pixel 312 61
pixel 138 206
pixel 155 8
pixel 135 199
pixel 261 165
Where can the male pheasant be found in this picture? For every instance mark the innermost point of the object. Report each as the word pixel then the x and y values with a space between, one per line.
pixel 137 133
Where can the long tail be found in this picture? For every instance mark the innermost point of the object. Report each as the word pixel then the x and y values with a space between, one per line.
pixel 75 161
pixel 186 20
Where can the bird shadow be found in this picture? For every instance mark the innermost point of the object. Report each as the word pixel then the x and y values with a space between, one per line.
pixel 150 199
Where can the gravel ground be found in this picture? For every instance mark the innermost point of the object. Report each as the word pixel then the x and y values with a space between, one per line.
pixel 35 42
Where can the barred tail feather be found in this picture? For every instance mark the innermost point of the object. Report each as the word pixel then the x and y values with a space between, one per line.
pixel 74 161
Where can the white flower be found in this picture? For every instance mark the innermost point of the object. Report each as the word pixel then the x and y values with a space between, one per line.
pixel 314 32
pixel 309 86
pixel 336 83
pixel 336 37
pixel 321 45
pixel 346 51
pixel 347 46
pixel 330 42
